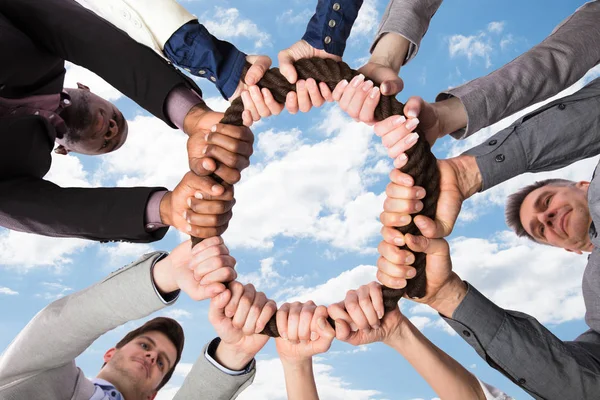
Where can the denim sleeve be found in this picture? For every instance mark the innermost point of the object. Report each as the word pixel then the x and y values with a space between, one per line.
pixel 194 49
pixel 330 27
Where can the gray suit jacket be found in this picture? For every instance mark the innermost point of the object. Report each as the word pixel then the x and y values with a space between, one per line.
pixel 554 64
pixel 39 363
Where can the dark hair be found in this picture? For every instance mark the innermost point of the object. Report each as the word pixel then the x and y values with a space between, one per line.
pixel 515 200
pixel 167 326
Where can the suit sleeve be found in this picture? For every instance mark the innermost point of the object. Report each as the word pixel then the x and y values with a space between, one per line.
pixel 68 30
pixel 554 64
pixel 68 326
pixel 517 345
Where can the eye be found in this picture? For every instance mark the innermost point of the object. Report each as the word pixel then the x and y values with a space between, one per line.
pixel 161 364
pixel 547 202
pixel 542 230
pixel 105 144
pixel 144 346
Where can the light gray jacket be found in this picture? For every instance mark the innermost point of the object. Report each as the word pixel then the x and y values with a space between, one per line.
pixel 557 62
pixel 39 363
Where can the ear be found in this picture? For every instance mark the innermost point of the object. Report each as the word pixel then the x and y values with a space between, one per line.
pixel 109 354
pixel 582 184
pixel 82 86
pixel 61 150
pixel 574 251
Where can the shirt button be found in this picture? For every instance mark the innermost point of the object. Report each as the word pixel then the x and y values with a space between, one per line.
pixel 493 142
pixel 212 78
pixel 336 6
pixel 467 333
pixel 187 69
pixel 561 106
pixel 66 102
pixel 36 113
pixel 331 23
pixel 202 72
pixel 327 39
pixel 500 158
pixel 522 381
pixel 150 226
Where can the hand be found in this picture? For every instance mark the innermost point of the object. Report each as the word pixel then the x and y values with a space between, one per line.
pixel 304 331
pixel 444 290
pixel 217 148
pixel 260 65
pixel 238 314
pixel 359 319
pixel 308 93
pixel 200 272
pixel 460 178
pixel 192 210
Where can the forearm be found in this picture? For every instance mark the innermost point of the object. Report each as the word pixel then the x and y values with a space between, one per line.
pixel 448 378
pixel 554 64
pixel 391 51
pixel 408 19
pixel 300 380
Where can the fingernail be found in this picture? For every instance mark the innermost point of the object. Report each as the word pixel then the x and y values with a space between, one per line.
pixel 418 206
pixel 213 128
pixel 206 165
pixel 385 87
pixel 284 335
pixel 344 83
pixel 215 188
pixel 409 260
pixel 322 323
pixel 374 92
pixel 314 336
pixel 411 272
pixel 357 80
pixel 411 113
pixel 205 149
pixel 189 228
pixel 406 181
pixel 405 219
pixel 419 223
pixel 379 314
pixel 189 202
pixel 197 195
pixel 400 120
pixel 400 160
pixel 185 215
pixel 420 193
pixel 412 138
pixel 399 241
pixel 376 326
pixel 367 86
pixel 301 85
pixel 353 327
pixel 412 123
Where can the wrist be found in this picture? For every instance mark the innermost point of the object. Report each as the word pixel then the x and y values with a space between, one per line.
pixel 163 277
pixel 451 114
pixel 468 175
pixel 449 296
pixel 232 357
pixel 391 51
pixel 194 116
pixel 297 366
pixel 165 209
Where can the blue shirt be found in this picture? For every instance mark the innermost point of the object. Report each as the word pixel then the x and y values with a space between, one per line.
pixel 330 27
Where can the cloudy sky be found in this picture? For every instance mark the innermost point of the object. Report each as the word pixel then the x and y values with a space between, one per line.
pixel 306 223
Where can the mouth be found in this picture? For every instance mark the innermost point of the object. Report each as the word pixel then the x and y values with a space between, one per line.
pixel 563 223
pixel 145 365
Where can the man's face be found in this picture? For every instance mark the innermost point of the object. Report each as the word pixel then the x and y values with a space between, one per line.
pixel 140 365
pixel 558 216
pixel 95 126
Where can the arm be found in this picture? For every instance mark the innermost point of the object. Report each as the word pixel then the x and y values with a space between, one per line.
pixel 557 62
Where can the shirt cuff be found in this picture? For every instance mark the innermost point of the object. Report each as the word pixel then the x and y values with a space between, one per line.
pixel 475 102
pixel 209 353
pixel 167 298
pixel 152 220
pixel 500 158
pixel 179 103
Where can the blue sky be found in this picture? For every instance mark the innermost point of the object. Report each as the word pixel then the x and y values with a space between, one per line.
pixel 306 222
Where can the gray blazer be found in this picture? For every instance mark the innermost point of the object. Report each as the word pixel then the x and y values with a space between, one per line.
pixel 557 62
pixel 39 363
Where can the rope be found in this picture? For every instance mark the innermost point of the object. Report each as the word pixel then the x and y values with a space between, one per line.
pixel 421 163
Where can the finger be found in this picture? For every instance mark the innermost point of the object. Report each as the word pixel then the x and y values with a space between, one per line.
pixel 201 206
pixel 249 105
pixel 390 123
pixel 339 89
pixel 392 235
pixel 220 275
pixel 230 159
pixel 274 107
pixel 202 232
pixel 281 317
pixel 403 145
pixel 239 133
pixel 201 184
pixel 206 243
pixel 342 330
pixel 326 92
pixel 313 92
pixel 231 175
pixel 320 326
pixel 390 281
pixel 394 219
pixel 227 195
pixel 350 90
pixel 306 315
pixel 376 299
pixel 207 220
pixel 395 255
pixel 429 228
pixel 216 310
pixel 337 311
pixel 356 102
pixel 255 309
pixel 367 112
pixel 429 246
pixel 402 206
pixel 244 306
pixel 237 290
pixel 355 311
pixel 396 191
pixel 394 136
pixel 399 271
pixel 291 103
pixel 260 65
pixel 413 107
pixel 294 320
pixel 203 166
pixel 286 66
pixel 206 254
pixel 401 178
pixel 247 118
pixel 259 101
pixel 392 87
pixel 304 103
pixel 269 309
pixel 366 305
pixel 400 161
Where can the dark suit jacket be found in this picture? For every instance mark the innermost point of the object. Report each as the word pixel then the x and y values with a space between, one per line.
pixel 36 37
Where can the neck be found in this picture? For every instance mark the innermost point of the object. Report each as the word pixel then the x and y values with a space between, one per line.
pixel 113 380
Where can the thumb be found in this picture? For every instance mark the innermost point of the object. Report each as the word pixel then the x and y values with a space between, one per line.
pixel 427 246
pixel 260 65
pixel 202 166
pixel 413 106
pixel 216 311
pixel 342 330
pixel 392 87
pixel 286 65
pixel 324 329
pixel 429 228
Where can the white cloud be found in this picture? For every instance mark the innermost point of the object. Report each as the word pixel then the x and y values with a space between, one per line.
pixel 226 23
pixel 496 26
pixel 54 290
pixel 506 41
pixel 123 253
pixel 97 85
pixel 178 314
pixel 421 322
pixel 24 251
pixel 295 17
pixel 474 46
pixel 367 21
pixel 7 291
pixel 273 143
pixel 67 171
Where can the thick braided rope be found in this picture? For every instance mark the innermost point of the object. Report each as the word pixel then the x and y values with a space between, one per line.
pixel 421 164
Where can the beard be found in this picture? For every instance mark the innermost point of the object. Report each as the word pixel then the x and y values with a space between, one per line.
pixel 126 380
pixel 77 116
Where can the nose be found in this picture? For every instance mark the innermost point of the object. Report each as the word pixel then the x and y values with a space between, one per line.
pixel 151 356
pixel 547 217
